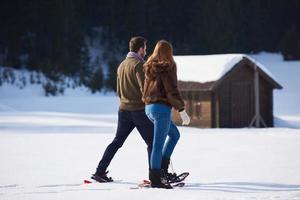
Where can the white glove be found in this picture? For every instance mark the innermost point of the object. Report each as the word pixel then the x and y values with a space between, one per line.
pixel 184 117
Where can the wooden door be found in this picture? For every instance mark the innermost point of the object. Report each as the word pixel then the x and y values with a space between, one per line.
pixel 242 104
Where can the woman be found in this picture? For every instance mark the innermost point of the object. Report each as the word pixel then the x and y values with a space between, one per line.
pixel 160 95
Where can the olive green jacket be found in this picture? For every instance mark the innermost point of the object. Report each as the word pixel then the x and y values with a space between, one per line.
pixel 130 81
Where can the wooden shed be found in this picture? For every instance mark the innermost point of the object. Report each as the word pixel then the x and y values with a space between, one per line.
pixel 226 91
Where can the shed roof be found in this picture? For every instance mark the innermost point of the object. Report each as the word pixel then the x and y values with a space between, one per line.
pixel 211 68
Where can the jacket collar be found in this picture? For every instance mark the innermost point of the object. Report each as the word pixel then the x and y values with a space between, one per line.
pixel 132 54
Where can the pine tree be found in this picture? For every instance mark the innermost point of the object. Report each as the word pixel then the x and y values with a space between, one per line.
pixel 96 81
pixel 290 45
pixel 85 72
pixel 111 81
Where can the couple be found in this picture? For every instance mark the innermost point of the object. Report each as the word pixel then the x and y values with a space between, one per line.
pixel 153 83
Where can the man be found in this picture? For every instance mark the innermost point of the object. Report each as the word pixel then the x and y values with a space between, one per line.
pixel 130 81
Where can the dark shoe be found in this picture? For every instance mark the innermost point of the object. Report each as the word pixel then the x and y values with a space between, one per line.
pixel 170 177
pixel 166 176
pixel 155 178
pixel 102 177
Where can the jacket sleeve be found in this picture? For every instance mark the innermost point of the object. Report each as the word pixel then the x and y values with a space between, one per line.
pixel 169 80
pixel 140 75
pixel 118 85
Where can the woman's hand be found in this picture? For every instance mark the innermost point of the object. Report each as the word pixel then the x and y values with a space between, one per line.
pixel 184 117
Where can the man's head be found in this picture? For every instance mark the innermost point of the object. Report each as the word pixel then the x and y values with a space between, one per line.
pixel 138 45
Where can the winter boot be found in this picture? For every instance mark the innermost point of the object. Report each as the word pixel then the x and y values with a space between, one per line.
pixel 102 177
pixel 155 178
pixel 166 176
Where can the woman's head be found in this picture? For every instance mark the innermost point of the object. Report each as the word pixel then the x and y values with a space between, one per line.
pixel 163 51
pixel 161 59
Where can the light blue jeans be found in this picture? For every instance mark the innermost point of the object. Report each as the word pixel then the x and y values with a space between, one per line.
pixel 160 115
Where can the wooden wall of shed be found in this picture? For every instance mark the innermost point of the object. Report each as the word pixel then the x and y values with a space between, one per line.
pixel 198 107
pixel 215 110
pixel 241 75
pixel 266 102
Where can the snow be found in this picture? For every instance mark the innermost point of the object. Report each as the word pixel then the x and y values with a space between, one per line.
pixel 286 101
pixel 224 164
pixel 48 146
pixel 206 68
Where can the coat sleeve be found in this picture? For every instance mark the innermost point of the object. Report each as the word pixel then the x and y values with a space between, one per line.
pixel 140 75
pixel 169 80
pixel 118 85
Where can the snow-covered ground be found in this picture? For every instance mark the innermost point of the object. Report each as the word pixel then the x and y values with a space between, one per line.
pixel 48 146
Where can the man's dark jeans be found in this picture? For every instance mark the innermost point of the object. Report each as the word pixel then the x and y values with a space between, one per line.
pixel 127 121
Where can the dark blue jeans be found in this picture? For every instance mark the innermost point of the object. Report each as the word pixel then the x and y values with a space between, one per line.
pixel 127 121
pixel 160 115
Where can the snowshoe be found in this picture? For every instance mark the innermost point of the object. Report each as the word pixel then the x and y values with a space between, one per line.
pixel 102 178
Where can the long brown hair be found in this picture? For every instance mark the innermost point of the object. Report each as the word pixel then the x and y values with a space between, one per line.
pixel 161 59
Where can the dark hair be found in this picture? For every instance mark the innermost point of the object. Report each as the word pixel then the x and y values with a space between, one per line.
pixel 136 43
